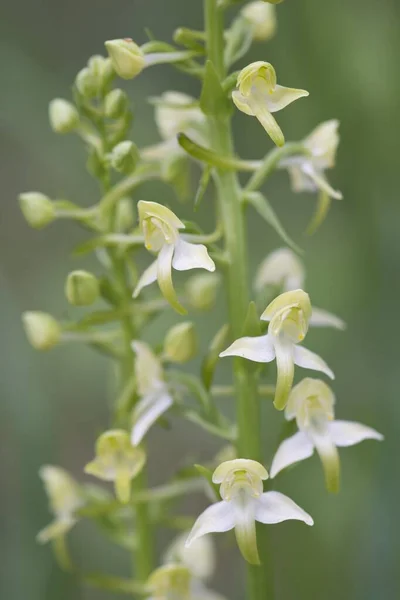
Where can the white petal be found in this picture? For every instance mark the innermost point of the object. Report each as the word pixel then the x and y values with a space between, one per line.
pixel 309 360
pixel 241 103
pixel 283 96
pixel 347 433
pixel 198 591
pixel 274 507
pixel 323 318
pixel 191 256
pixel 148 277
pixel 292 450
pixel 217 518
pixel 245 529
pixel 299 181
pixel 164 277
pixel 285 371
pixel 146 413
pixel 258 349
pixel 319 179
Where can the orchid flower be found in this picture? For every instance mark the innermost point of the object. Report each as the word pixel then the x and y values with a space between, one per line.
pixel 118 461
pixel 288 317
pixel 311 403
pixel 154 397
pixel 175 582
pixel 284 270
pixel 65 498
pixel 243 503
pixel 259 95
pixel 161 228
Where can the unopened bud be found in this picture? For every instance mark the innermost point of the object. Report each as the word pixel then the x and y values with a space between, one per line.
pixel 115 104
pixel 180 343
pixel 81 288
pixel 101 70
pixel 201 290
pixel 124 157
pixel 37 209
pixel 63 116
pixel 125 215
pixel 126 57
pixel 262 18
pixel 42 330
pixel 86 83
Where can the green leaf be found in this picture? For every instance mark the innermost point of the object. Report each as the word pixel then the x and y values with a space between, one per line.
pixel 207 474
pixel 265 210
pixel 213 100
pixel 212 357
pixel 203 184
pixel 210 157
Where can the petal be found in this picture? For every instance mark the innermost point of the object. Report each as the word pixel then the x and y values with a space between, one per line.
pixel 98 469
pixel 323 318
pixel 299 181
pixel 258 349
pixel 191 256
pixel 285 367
pixel 329 456
pixel 283 96
pixel 292 450
pixel 217 518
pixel 56 529
pixel 241 102
pixel 319 179
pixel 148 277
pixel 245 530
pixel 258 104
pixel 320 212
pixel 347 433
pixel 274 507
pixel 146 413
pixel 164 277
pixel 309 360
pixel 123 485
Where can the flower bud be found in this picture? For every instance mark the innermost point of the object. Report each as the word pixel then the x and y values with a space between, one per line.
pixel 115 104
pixel 37 209
pixel 124 157
pixel 63 116
pixel 42 330
pixel 81 288
pixel 126 57
pixel 86 83
pixel 125 215
pixel 262 18
pixel 201 290
pixel 180 344
pixel 101 70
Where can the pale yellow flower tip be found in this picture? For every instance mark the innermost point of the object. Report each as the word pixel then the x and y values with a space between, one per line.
pixel 126 57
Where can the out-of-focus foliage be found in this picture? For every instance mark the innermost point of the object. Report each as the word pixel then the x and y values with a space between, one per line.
pixel 54 405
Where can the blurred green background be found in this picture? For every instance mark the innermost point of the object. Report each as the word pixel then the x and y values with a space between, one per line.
pixel 53 405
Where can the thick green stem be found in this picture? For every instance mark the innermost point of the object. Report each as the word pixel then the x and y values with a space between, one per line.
pixel 229 195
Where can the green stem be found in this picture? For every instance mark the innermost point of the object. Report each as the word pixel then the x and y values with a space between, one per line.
pixel 260 584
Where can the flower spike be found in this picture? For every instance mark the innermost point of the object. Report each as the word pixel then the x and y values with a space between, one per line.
pixel 259 95
pixel 243 503
pixel 288 317
pixel 161 229
pixel 311 403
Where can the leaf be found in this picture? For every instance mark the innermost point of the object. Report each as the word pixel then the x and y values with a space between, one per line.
pixel 213 100
pixel 252 326
pixel 212 357
pixel 203 184
pixel 265 210
pixel 207 474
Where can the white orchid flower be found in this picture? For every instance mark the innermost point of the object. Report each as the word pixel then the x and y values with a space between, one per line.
pixel 154 397
pixel 307 171
pixel 118 461
pixel 262 17
pixel 311 403
pixel 288 317
pixel 175 582
pixel 161 229
pixel 199 558
pixel 243 503
pixel 283 269
pixel 259 95
pixel 65 497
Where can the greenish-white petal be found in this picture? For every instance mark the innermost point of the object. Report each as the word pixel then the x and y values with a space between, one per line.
pixel 282 97
pixel 323 318
pixel 328 454
pixel 320 181
pixel 217 518
pixel 191 256
pixel 348 433
pixel 146 413
pixel 149 276
pixel 292 450
pixel 241 102
pixel 245 529
pixel 56 529
pixel 285 371
pixel 309 360
pixel 259 107
pixel 123 484
pixel 258 349
pixel 274 507
pixel 164 277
